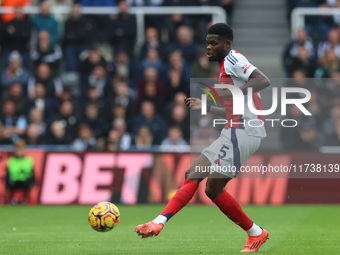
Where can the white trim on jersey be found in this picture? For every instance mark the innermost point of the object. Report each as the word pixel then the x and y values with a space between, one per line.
pixel 238 66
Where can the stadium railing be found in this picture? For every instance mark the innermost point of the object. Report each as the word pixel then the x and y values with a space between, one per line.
pixel 218 14
pixel 298 16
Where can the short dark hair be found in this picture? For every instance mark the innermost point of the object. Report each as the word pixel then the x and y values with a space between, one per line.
pixel 222 30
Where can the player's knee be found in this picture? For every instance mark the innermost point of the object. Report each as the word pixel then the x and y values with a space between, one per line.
pixel 189 176
pixel 187 172
pixel 212 192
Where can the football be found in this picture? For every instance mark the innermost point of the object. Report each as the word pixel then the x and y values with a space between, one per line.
pixel 104 216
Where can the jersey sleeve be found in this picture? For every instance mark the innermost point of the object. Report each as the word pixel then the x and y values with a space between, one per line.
pixel 238 66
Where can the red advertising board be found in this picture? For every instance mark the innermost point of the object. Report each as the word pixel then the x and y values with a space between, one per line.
pixel 130 178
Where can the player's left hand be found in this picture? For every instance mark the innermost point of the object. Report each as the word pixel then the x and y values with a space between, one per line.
pixel 193 103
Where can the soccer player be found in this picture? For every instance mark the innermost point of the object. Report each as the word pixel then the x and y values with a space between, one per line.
pixel 20 174
pixel 235 145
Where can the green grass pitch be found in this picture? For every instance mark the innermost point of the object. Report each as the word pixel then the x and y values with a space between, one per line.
pixel 195 230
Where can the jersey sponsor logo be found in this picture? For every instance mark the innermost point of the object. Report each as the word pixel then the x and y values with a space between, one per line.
pixel 246 67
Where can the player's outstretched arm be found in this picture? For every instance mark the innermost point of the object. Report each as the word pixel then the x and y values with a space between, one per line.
pixel 195 104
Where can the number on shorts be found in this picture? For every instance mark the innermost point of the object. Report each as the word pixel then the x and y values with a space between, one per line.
pixel 223 151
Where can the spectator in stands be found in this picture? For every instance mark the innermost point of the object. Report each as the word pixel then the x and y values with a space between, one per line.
pixel 40 101
pixel 44 52
pixel 178 99
pixel 60 17
pixel 292 49
pixel 102 28
pixel 123 96
pixel 53 85
pixel 176 84
pixel 152 120
pixel 85 140
pixel 144 138
pixel 299 79
pixel 77 31
pixel 302 62
pixel 57 133
pixel 185 44
pixel 67 94
pixel 118 138
pixel 32 135
pixel 201 68
pixel 92 96
pixel 152 42
pixel 100 80
pixel 329 64
pixel 94 120
pixel 180 117
pixel 174 138
pixel 45 21
pixel 15 94
pixel 127 68
pixel 177 62
pixel 14 73
pixel 12 125
pixel 150 94
pixel 173 22
pixel 150 75
pixel 90 59
pixel 118 111
pixel 36 117
pixel 123 28
pixel 112 141
pixel 152 59
pixel 16 34
pixel 333 43
pixel 125 139
pixel 69 121
pixel 20 172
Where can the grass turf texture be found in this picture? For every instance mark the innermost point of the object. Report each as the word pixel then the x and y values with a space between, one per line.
pixel 195 230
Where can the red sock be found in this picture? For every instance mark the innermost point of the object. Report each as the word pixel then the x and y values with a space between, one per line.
pixel 180 199
pixel 230 207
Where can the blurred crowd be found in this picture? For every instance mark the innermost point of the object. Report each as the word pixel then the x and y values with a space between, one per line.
pixel 81 80
pixel 312 61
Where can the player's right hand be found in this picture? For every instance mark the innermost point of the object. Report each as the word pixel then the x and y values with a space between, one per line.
pixel 193 103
